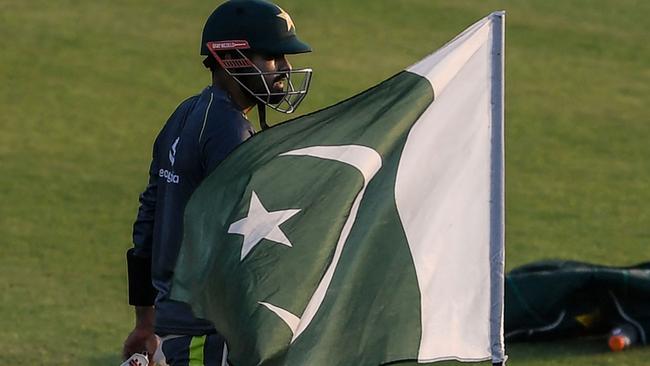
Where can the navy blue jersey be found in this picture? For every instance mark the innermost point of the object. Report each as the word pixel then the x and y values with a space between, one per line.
pixel 202 131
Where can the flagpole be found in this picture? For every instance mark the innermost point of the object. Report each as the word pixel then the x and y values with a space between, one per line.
pixel 497 199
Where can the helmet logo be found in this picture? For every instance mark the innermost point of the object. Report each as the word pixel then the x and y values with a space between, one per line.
pixel 284 15
pixel 227 45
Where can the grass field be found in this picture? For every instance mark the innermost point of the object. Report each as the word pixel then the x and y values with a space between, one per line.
pixel 85 86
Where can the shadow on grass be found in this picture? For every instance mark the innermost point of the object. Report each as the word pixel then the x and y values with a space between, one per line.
pixel 582 351
pixel 557 351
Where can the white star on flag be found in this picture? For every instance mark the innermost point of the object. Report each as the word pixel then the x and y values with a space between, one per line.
pixel 261 224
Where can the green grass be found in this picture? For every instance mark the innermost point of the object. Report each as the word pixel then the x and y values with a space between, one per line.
pixel 85 86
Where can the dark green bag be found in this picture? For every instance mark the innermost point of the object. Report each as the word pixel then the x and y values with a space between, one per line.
pixel 552 299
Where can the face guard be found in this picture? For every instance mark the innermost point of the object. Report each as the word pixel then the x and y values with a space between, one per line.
pixel 241 68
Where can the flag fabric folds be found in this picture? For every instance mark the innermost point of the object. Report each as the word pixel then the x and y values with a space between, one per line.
pixel 367 233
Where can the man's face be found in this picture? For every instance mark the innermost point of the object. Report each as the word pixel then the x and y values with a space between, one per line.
pixel 278 66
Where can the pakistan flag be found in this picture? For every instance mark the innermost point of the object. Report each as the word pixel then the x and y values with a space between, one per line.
pixel 367 233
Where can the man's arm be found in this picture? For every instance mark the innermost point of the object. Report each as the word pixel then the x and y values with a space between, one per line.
pixel 142 337
pixel 141 291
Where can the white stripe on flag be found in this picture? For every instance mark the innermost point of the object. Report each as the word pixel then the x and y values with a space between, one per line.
pixel 444 199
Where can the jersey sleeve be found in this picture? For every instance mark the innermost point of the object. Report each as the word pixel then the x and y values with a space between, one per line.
pixel 141 290
pixel 144 223
pixel 143 227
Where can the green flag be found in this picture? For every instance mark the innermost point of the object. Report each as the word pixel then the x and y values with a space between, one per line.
pixel 366 233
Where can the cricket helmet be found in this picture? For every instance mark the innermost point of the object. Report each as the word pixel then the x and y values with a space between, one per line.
pixel 237 27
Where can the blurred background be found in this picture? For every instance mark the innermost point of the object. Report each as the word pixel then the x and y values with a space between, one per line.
pixel 85 87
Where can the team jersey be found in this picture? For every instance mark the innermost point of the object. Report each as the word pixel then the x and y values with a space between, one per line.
pixel 202 131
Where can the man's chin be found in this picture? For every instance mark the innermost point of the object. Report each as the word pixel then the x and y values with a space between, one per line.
pixel 275 99
pixel 277 96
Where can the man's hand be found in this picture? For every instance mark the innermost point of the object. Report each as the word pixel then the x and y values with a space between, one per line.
pixel 142 338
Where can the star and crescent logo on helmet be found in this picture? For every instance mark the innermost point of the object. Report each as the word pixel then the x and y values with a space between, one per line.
pixel 284 15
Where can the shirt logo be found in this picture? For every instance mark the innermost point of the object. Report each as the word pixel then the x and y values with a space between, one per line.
pixel 170 176
pixel 172 152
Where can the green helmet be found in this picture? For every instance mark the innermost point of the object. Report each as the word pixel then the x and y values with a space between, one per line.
pixel 265 26
pixel 238 26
